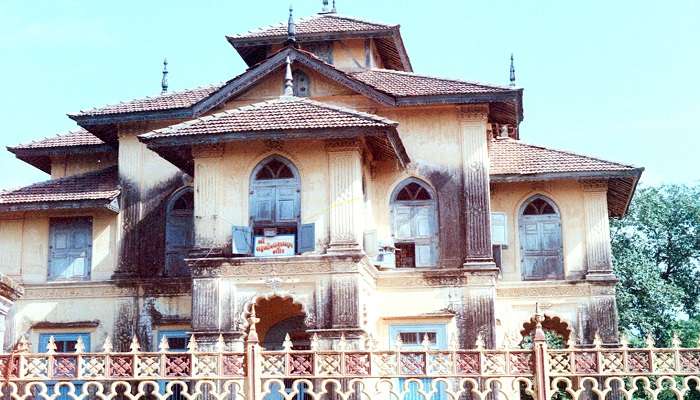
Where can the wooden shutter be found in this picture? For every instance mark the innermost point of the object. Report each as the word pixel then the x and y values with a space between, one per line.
pixel 540 245
pixel 287 204
pixel 242 242
pixel 179 239
pixel 307 238
pixel 499 228
pixel 402 222
pixel 422 221
pixel 70 248
pixel 262 204
pixel 424 255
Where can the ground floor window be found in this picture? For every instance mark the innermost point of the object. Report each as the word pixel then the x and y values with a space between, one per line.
pixel 412 337
pixel 65 343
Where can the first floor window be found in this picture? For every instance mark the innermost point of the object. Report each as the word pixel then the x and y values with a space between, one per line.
pixel 414 224
pixel 70 248
pixel 412 338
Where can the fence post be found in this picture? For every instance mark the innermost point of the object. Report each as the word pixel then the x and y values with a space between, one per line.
pixel 253 383
pixel 539 347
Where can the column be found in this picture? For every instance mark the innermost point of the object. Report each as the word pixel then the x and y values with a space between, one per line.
pixel 598 251
pixel 475 161
pixel 346 200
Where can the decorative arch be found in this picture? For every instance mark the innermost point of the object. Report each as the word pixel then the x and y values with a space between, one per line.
pixel 414 223
pixel 279 311
pixel 179 231
pixel 552 324
pixel 540 238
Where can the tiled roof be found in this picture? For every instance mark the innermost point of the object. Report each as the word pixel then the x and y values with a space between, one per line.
pixel 322 23
pixel 399 83
pixel 97 185
pixel 285 113
pixel 513 157
pixel 78 137
pixel 167 101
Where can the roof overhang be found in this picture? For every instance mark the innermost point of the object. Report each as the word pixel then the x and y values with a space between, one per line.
pixel 621 184
pixel 389 42
pixel 95 204
pixel 41 157
pixel 382 142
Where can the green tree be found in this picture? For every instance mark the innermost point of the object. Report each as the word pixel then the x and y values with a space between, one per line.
pixel 656 254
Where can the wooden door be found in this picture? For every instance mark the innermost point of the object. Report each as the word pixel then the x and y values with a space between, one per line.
pixel 541 247
pixel 179 233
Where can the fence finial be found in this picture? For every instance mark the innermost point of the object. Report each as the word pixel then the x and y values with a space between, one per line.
pixel 79 345
pixel 571 343
pixel 454 343
pixel 398 342
pixel 675 341
pixel 220 344
pixel 315 344
pixel 192 344
pixel 597 340
pixel 51 345
pixel 624 341
pixel 107 345
pixel 539 318
pixel 163 346
pixel 252 321
pixel 480 342
pixel 342 343
pixel 22 345
pixel 426 342
pixel 649 341
pixel 135 346
pixel 287 344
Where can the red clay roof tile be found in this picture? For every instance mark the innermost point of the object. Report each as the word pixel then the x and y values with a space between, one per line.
pixel 285 113
pixel 322 23
pixel 513 157
pixel 96 185
pixel 399 83
pixel 78 137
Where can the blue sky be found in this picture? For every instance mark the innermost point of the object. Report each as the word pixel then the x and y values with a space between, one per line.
pixel 615 79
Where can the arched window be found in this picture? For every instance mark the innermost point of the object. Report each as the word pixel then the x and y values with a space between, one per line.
pixel 414 223
pixel 541 253
pixel 179 231
pixel 274 197
pixel 302 85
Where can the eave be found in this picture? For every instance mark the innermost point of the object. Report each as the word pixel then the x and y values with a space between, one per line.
pixel 98 204
pixel 41 157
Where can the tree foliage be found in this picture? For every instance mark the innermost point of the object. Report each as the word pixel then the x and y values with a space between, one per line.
pixel 656 255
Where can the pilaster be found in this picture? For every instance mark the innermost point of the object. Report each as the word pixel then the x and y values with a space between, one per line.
pixel 475 161
pixel 598 251
pixel 346 200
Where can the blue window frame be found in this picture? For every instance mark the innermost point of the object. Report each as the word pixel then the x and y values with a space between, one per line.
pixel 70 248
pixel 412 336
pixel 177 342
pixel 65 343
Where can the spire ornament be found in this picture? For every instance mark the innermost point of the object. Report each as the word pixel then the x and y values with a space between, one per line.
pixel 512 71
pixel 288 79
pixel 164 81
pixel 291 28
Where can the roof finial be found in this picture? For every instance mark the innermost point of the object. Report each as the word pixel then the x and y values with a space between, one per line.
pixel 288 79
pixel 512 70
pixel 324 9
pixel 164 81
pixel 291 28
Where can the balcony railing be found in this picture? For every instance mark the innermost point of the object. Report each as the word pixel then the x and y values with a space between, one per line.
pixel 598 372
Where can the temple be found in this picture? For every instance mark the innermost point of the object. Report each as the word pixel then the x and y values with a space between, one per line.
pixel 330 185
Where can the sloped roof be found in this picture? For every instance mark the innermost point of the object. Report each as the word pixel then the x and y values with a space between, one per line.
pixel 513 157
pixel 166 101
pixel 39 152
pixel 323 27
pixel 400 84
pixel 87 190
pixel 321 23
pixel 78 137
pixel 514 161
pixel 285 113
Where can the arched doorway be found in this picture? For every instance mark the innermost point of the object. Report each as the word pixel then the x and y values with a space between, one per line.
pixel 280 316
pixel 179 231
pixel 275 198
pixel 541 251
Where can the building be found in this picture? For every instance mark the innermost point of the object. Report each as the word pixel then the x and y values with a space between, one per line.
pixel 330 186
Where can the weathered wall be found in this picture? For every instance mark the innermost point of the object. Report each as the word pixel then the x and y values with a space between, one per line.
pixel 568 196
pixel 78 164
pixel 24 240
pixel 350 54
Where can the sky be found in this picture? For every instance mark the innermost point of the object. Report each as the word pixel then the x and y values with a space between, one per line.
pixel 618 80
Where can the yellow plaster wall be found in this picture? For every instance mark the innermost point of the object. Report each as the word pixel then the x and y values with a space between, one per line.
pixel 25 237
pixel 78 164
pixel 349 54
pixel 568 196
pixel 232 172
